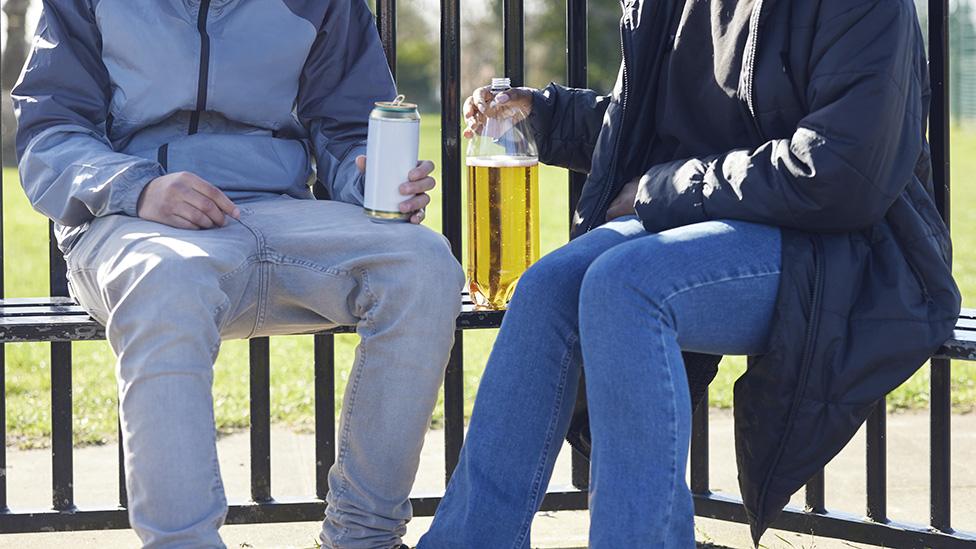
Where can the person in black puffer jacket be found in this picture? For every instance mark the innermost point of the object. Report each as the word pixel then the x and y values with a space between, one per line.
pixel 759 183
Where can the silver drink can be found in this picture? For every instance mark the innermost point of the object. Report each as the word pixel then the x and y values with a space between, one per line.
pixel 391 152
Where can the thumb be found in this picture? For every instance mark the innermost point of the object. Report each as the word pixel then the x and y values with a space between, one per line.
pixel 361 163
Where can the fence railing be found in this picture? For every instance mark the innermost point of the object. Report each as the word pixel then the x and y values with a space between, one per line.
pixel 874 527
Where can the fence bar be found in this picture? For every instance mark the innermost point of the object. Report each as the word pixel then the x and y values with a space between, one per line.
pixel 814 494
pixel 513 27
pixel 62 471
pixel 699 448
pixel 324 412
pixel 61 437
pixel 387 27
pixel 3 378
pixel 940 451
pixel 123 495
pixel 451 213
pixel 577 77
pixel 454 407
pixel 877 466
pixel 260 383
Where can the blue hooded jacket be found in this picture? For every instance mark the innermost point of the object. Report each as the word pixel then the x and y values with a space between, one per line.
pixel 243 93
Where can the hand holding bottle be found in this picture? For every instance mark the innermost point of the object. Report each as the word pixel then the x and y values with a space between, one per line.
pixel 513 103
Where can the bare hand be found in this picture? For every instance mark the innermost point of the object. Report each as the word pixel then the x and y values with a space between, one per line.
pixel 418 183
pixel 185 201
pixel 515 103
pixel 624 203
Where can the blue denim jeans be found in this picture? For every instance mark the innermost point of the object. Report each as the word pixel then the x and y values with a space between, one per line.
pixel 625 303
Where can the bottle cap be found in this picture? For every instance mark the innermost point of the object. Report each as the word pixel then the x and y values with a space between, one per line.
pixel 501 84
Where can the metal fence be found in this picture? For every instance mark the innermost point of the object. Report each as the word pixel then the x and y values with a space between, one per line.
pixel 815 518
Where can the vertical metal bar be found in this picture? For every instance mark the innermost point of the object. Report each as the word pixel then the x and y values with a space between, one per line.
pixel 940 423
pixel 940 461
pixel 61 437
pixel 877 466
pixel 451 213
pixel 513 27
pixel 324 412
pixel 260 419
pixel 387 27
pixel 58 269
pixel 576 76
pixel 815 494
pixel 3 378
pixel 699 448
pixel 939 111
pixel 123 494
pixel 62 471
pixel 454 407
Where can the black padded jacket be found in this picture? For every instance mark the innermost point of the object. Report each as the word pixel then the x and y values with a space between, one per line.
pixel 837 94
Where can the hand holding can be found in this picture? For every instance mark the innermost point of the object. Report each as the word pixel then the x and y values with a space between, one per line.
pixel 391 157
pixel 419 182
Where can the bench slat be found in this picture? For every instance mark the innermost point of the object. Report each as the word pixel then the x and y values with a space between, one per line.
pixel 48 310
pixel 81 327
pixel 36 301
pixel 967 324
pixel 62 319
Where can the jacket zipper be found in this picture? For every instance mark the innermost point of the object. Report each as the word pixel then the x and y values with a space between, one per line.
pixel 204 66
pixel 816 299
pixel 605 196
pixel 751 64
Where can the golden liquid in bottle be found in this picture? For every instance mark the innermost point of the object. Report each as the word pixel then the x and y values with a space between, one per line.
pixel 503 226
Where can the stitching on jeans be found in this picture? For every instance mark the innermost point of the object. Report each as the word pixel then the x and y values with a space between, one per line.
pixel 310 265
pixel 347 405
pixel 674 429
pixel 719 281
pixel 553 419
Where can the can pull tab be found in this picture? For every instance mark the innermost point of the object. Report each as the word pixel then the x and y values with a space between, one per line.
pixel 399 100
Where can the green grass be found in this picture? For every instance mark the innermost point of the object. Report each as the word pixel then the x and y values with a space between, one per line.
pixel 28 364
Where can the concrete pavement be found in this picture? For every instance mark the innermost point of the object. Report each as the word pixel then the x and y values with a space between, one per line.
pixel 96 484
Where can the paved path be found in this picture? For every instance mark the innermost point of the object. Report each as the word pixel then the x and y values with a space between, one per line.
pixel 293 475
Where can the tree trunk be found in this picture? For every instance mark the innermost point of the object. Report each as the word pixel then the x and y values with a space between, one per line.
pixel 15 52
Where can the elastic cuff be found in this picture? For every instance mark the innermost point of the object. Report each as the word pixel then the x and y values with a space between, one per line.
pixel 670 195
pixel 127 190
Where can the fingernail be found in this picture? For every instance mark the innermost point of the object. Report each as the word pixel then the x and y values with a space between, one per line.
pixel 237 213
pixel 502 98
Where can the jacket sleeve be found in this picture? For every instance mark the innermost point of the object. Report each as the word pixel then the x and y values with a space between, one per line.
pixel 345 74
pixel 850 156
pixel 566 123
pixel 68 167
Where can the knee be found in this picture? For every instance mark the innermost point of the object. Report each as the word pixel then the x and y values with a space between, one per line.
pixel 616 285
pixel 429 269
pixel 162 307
pixel 555 276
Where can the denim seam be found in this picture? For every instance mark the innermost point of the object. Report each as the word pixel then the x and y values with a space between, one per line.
pixel 674 428
pixel 310 265
pixel 553 419
pixel 347 406
pixel 719 281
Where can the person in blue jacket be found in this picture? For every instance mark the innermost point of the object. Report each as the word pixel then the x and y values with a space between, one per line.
pixel 172 142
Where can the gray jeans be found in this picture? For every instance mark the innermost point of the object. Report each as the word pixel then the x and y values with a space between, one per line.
pixel 168 296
